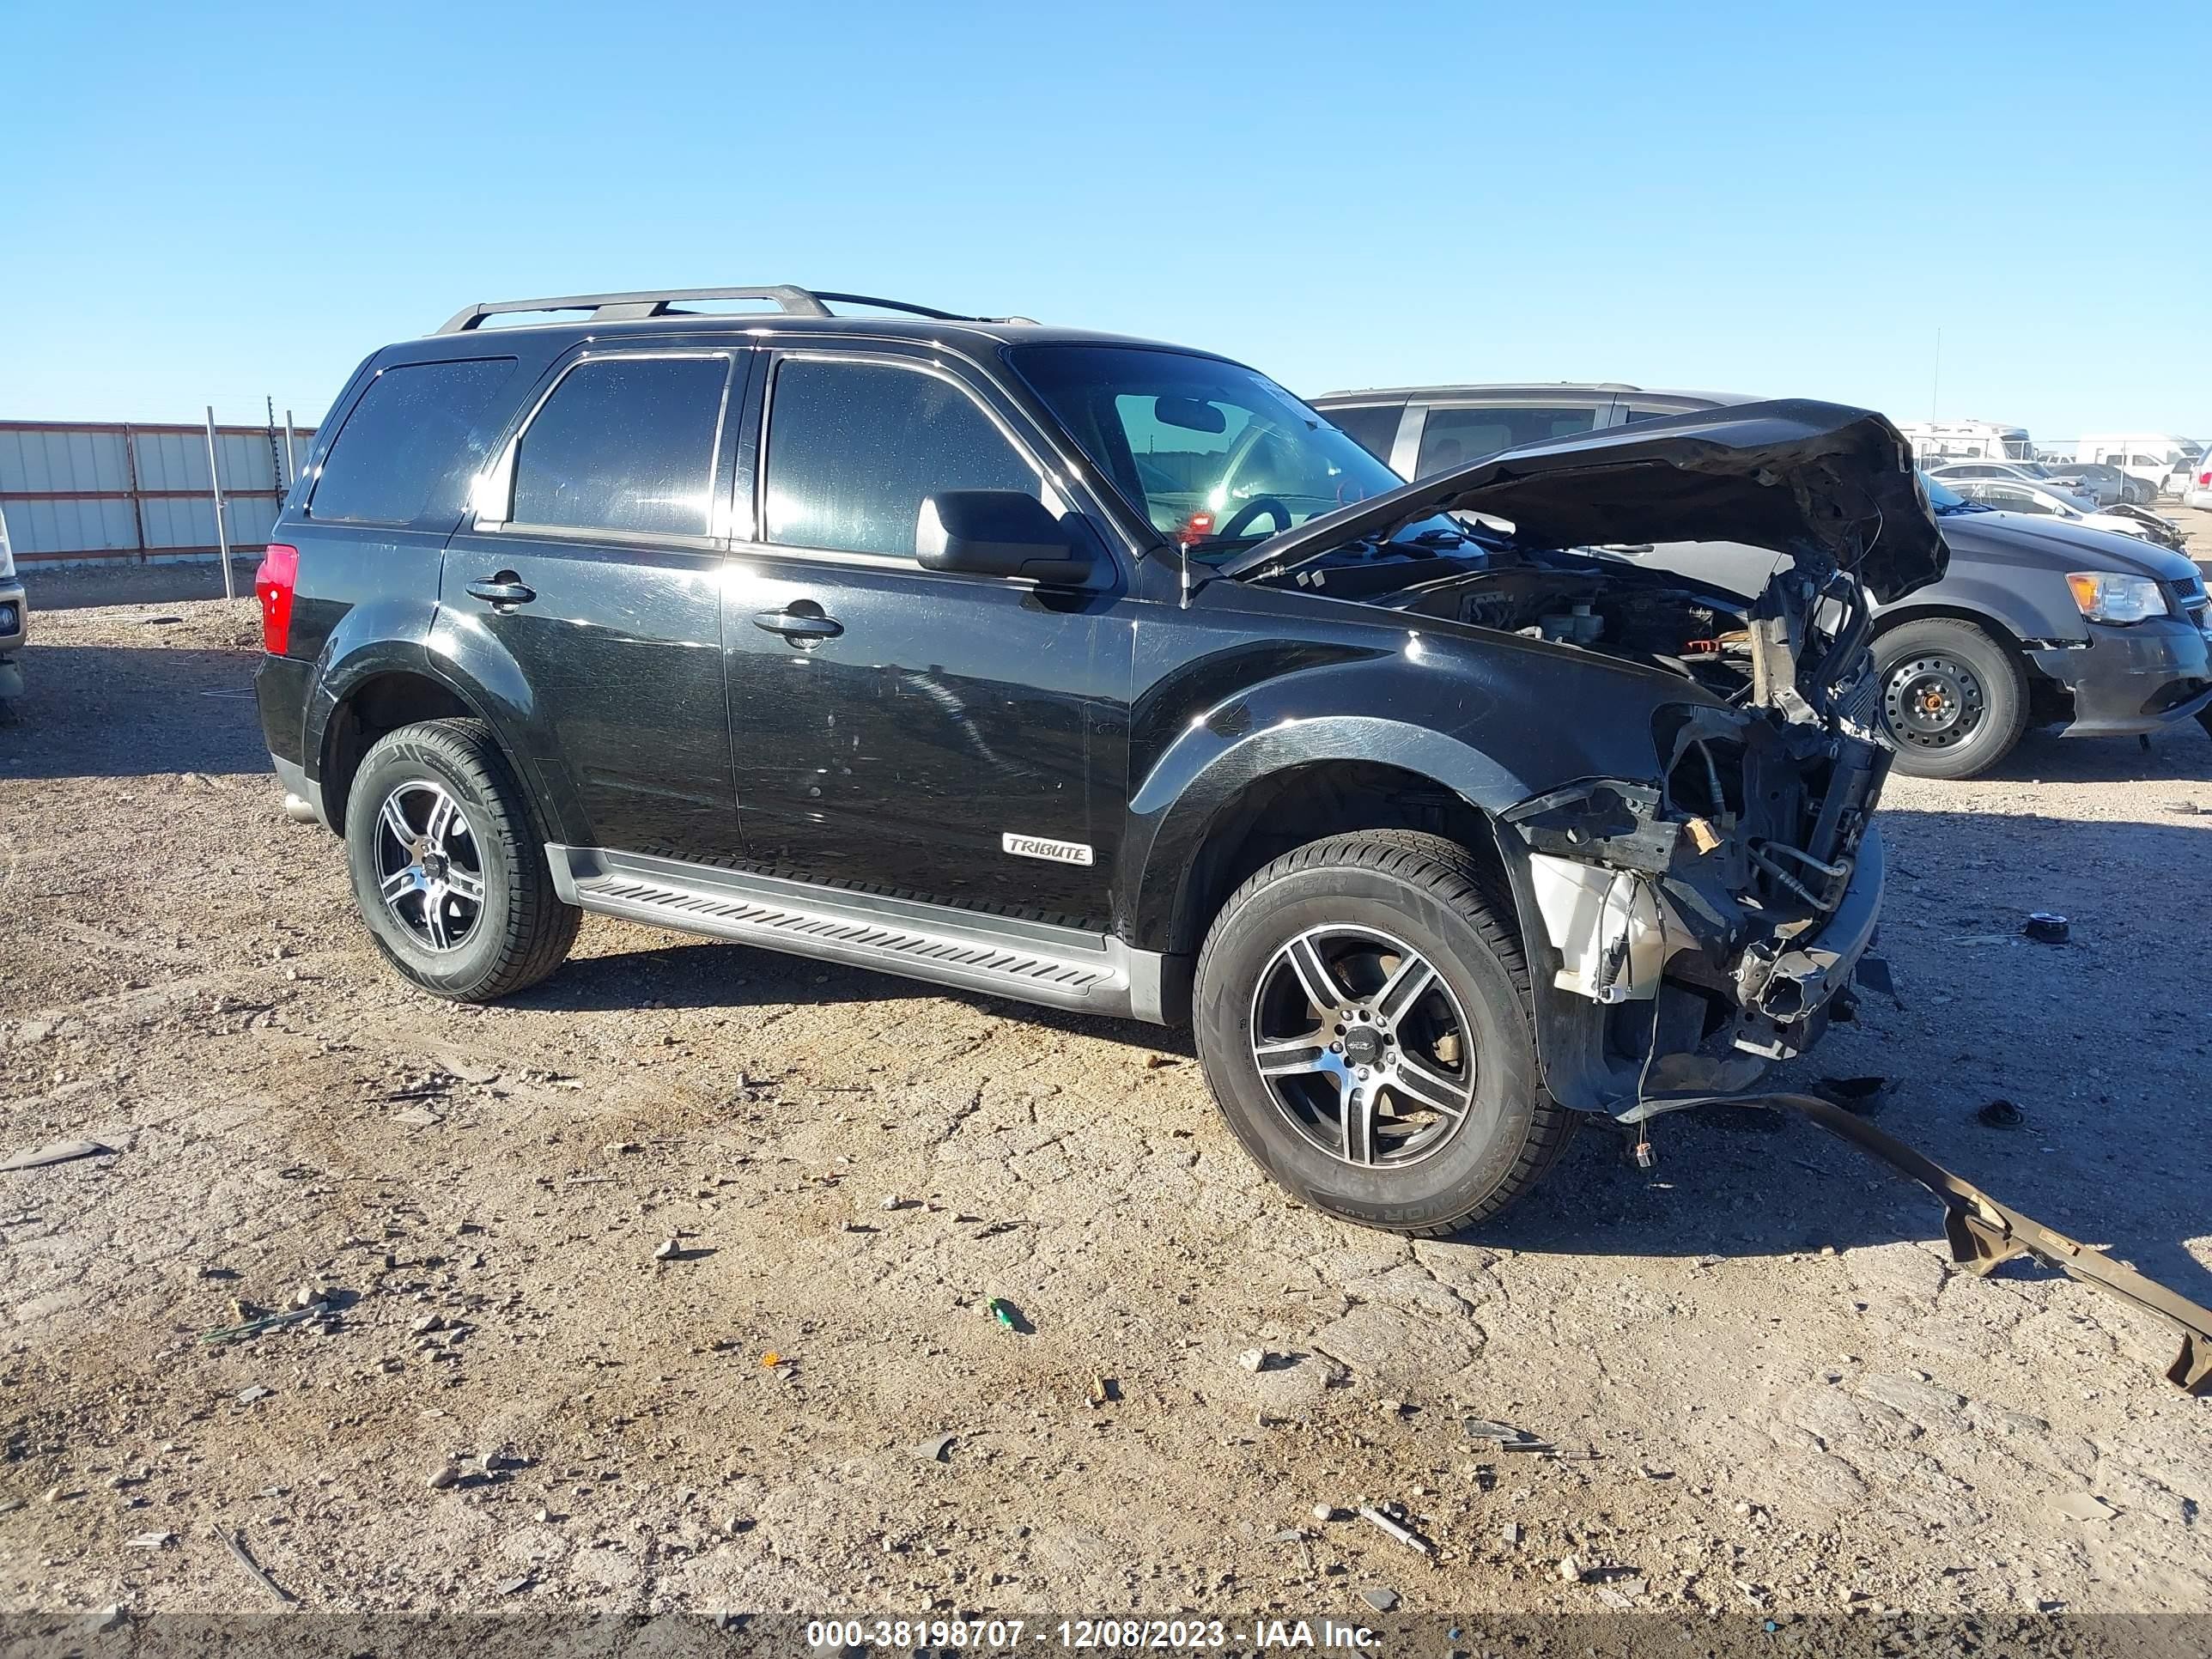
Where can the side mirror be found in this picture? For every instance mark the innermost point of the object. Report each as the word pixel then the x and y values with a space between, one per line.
pixel 998 532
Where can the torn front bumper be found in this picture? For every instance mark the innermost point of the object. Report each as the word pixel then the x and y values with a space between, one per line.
pixel 2132 679
pixel 1672 960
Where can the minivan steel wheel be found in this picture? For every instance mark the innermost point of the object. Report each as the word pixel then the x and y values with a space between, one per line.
pixel 1953 699
pixel 1363 1045
pixel 1933 701
pixel 1362 1009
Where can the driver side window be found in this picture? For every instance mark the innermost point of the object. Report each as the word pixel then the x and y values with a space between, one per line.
pixel 853 450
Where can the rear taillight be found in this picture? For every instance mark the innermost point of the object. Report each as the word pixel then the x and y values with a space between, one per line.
pixel 2204 480
pixel 272 585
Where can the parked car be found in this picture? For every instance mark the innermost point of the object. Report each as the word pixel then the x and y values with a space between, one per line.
pixel 1957 474
pixel 2037 622
pixel 2197 491
pixel 1104 675
pixel 2024 495
pixel 14 621
pixel 2161 459
pixel 2105 485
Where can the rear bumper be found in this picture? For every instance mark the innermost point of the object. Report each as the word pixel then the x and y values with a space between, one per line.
pixel 2130 680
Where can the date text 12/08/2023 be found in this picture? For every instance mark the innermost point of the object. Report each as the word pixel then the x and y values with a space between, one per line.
pixel 1108 1635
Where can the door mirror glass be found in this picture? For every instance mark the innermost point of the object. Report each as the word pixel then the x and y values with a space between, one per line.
pixel 998 532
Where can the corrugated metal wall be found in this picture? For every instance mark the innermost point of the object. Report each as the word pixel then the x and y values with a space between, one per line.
pixel 95 492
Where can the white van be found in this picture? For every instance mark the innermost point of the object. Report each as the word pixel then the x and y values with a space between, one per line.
pixel 1935 441
pixel 2163 460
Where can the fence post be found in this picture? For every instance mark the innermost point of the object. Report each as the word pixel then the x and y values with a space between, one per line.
pixel 291 466
pixel 221 535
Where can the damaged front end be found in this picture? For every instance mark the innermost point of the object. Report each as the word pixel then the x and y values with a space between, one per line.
pixel 1711 920
pixel 1691 924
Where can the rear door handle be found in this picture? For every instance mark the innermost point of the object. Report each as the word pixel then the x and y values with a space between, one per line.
pixel 798 625
pixel 505 588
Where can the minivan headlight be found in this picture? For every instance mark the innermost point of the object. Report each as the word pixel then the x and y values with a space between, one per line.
pixel 2105 596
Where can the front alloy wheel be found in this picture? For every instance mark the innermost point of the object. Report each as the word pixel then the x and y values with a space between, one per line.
pixel 1362 1011
pixel 1363 1046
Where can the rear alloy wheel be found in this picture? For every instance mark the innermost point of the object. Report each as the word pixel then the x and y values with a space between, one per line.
pixel 448 871
pixel 1953 700
pixel 1362 1011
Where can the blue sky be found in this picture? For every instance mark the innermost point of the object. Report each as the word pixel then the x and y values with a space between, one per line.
pixel 211 203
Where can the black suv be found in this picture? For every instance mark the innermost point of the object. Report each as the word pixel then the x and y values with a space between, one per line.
pixel 1106 675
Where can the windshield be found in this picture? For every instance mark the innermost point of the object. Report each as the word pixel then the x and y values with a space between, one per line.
pixel 1215 456
pixel 1944 499
pixel 2019 449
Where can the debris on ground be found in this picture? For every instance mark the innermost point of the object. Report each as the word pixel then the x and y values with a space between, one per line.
pixel 1382 1601
pixel 2001 1115
pixel 1327 1512
pixel 933 1450
pixel 445 1475
pixel 1256 1360
pixel 1005 1313
pixel 1863 1095
pixel 1392 1529
pixel 1104 1390
pixel 1511 1531
pixel 151 1541
pixel 2085 1506
pixel 257 1325
pixel 2046 928
pixel 237 1542
pixel 671 1248
pixel 247 1396
pixel 1571 1570
pixel 514 1586
pixel 61 1151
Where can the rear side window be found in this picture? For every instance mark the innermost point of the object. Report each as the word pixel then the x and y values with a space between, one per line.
pixel 1373 427
pixel 854 448
pixel 1454 437
pixel 413 442
pixel 625 445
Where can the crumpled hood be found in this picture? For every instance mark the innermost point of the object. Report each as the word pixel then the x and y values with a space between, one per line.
pixel 1799 476
pixel 2055 544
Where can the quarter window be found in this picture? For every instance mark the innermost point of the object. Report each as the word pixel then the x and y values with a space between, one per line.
pixel 1454 437
pixel 624 445
pixel 1373 427
pixel 853 450
pixel 414 440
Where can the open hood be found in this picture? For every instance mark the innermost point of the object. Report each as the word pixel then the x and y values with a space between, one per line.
pixel 1807 479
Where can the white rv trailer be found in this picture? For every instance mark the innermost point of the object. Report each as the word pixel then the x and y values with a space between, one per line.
pixel 1968 440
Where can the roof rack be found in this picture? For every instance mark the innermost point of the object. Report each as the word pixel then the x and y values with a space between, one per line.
pixel 666 302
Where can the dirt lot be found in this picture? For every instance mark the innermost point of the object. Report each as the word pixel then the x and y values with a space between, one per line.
pixel 1789 1401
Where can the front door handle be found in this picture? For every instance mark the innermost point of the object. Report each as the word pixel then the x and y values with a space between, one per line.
pixel 505 588
pixel 799 624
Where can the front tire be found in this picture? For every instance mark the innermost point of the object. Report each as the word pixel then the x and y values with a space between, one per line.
pixel 1363 1015
pixel 448 868
pixel 1953 699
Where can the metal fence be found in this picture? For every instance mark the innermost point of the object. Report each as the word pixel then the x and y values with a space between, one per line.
pixel 114 492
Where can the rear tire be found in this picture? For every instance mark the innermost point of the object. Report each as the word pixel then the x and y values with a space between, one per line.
pixel 447 868
pixel 1953 699
pixel 1428 1113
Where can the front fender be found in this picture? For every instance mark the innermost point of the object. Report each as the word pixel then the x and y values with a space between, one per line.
pixel 2028 603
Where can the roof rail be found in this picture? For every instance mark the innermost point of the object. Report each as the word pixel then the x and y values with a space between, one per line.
pixel 665 302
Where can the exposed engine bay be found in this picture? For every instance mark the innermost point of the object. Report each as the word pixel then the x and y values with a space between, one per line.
pixel 1696 922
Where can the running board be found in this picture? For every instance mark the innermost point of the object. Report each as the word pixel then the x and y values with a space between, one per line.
pixel 1031 961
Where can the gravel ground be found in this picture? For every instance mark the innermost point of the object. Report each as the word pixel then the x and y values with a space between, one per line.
pixel 1778 1395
